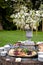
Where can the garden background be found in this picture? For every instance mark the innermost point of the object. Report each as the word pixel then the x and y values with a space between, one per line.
pixel 8 29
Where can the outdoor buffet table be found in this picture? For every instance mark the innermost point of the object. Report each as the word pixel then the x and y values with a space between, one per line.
pixel 11 61
pixel 22 52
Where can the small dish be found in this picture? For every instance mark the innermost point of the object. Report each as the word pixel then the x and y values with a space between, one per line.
pixel 7 47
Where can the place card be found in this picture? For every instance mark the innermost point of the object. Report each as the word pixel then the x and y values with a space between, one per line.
pixel 17 59
pixel 7 59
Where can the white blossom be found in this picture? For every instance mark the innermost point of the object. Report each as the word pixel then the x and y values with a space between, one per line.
pixel 12 16
pixel 16 16
pixel 27 26
pixel 5 0
pixel 42 15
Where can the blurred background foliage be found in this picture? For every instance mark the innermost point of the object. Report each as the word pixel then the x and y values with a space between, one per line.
pixel 8 7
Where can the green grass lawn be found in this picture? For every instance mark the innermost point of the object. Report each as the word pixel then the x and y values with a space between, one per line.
pixel 12 37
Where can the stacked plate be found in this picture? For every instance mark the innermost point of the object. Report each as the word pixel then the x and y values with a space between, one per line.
pixel 40 53
pixel 1 49
pixel 40 56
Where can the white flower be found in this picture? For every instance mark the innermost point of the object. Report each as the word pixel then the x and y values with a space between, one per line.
pixel 16 16
pixel 12 16
pixel 22 12
pixel 42 15
pixel 14 20
pixel 23 16
pixel 5 0
pixel 27 26
pixel 37 12
pixel 26 14
pixel 34 27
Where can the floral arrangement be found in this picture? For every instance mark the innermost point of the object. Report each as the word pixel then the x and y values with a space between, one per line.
pixel 26 19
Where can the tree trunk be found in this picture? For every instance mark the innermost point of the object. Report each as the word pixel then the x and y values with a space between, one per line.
pixel 1 28
pixel 42 25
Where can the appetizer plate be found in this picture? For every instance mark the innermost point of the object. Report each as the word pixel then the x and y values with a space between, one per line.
pixel 22 54
pixel 28 56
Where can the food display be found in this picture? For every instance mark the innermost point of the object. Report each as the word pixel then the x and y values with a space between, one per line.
pixel 22 52
pixel 18 44
pixel 40 46
pixel 11 52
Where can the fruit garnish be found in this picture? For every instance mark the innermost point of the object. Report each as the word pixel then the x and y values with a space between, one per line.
pixel 25 50
pixel 29 53
pixel 16 53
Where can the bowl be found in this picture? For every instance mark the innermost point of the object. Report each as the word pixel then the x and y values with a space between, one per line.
pixel 3 53
pixel 7 47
